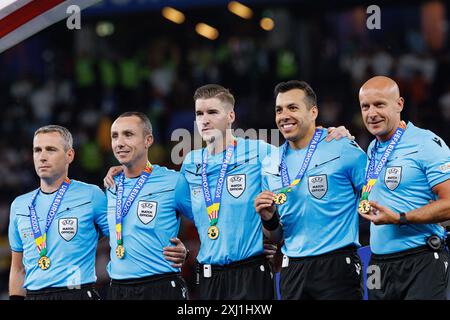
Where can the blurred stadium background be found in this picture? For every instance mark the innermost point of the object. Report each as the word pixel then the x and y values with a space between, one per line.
pixel 127 56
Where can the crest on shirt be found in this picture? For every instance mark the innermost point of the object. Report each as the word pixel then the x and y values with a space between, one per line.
pixel 392 177
pixel 318 185
pixel 236 184
pixel 68 228
pixel 146 211
pixel 197 191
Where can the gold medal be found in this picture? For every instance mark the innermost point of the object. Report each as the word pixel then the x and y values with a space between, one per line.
pixel 364 207
pixel 44 263
pixel 213 232
pixel 280 198
pixel 120 251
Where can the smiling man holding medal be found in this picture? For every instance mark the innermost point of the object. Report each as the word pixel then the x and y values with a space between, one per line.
pixel 54 230
pixel 315 187
pixel 143 218
pixel 406 195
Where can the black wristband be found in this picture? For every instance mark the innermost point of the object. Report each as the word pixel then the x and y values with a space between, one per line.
pixel 402 220
pixel 272 223
pixel 14 297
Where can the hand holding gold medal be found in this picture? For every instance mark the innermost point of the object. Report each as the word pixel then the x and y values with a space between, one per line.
pixel 280 198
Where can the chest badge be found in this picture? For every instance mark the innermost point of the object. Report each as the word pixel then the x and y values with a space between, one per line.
pixel 68 228
pixel 146 211
pixel 236 184
pixel 392 177
pixel 318 185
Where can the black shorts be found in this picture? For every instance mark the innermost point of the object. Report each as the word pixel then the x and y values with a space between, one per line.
pixel 335 275
pixel 248 279
pixel 169 286
pixel 84 292
pixel 414 274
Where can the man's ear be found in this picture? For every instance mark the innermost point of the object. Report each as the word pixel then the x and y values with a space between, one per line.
pixel 70 155
pixel 231 117
pixel 314 112
pixel 148 141
pixel 400 104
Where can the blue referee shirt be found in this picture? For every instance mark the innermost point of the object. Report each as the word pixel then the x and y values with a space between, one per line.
pixel 71 239
pixel 320 214
pixel 420 161
pixel 147 228
pixel 240 229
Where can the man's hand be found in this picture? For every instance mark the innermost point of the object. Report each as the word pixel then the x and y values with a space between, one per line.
pixel 108 181
pixel 264 205
pixel 379 214
pixel 270 249
pixel 176 254
pixel 338 133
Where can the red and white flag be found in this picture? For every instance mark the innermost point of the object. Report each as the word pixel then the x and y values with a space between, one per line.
pixel 20 19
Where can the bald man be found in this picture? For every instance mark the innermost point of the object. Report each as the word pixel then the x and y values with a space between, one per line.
pixel 407 193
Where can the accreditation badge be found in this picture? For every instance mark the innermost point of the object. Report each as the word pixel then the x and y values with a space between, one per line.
pixel 364 207
pixel 213 232
pixel 44 262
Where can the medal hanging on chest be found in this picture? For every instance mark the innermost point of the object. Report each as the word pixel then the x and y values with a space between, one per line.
pixel 373 171
pixel 40 238
pixel 213 206
pixel 122 210
pixel 281 194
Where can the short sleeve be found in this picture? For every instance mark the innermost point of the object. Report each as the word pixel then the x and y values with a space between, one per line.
pixel 434 157
pixel 354 160
pixel 100 207
pixel 183 197
pixel 15 241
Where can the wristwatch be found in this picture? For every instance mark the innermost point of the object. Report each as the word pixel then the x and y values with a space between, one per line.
pixel 402 220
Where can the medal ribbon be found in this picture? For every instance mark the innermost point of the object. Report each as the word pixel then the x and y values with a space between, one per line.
pixel 373 172
pixel 122 210
pixel 213 207
pixel 39 238
pixel 287 185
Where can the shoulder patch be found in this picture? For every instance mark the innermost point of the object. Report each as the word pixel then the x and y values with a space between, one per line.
pixel 445 167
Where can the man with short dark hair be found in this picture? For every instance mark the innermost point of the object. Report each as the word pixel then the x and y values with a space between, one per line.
pixel 143 219
pixel 309 200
